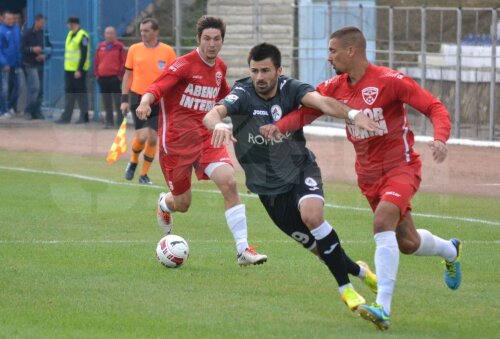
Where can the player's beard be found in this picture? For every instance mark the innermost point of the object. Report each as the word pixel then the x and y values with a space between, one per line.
pixel 265 90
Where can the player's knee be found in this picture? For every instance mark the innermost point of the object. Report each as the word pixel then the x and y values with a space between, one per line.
pixel 182 205
pixel 312 220
pixel 407 247
pixel 228 184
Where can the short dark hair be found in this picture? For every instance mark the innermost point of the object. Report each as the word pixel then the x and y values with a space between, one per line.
pixel 263 51
pixel 73 20
pixel 350 35
pixel 154 23
pixel 39 17
pixel 210 22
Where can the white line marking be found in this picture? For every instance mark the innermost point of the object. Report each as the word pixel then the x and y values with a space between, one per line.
pixel 196 241
pixel 352 208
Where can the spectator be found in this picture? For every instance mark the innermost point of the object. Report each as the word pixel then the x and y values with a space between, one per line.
pixel 10 50
pixel 109 66
pixel 76 65
pixel 36 49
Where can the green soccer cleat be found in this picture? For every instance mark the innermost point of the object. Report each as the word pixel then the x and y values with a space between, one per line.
pixel 453 270
pixel 370 278
pixel 376 314
pixel 352 299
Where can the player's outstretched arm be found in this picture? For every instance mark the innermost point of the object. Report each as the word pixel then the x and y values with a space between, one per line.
pixel 144 109
pixel 335 108
pixel 221 132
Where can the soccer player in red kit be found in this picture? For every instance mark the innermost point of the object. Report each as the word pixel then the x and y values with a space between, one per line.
pixel 388 168
pixel 188 89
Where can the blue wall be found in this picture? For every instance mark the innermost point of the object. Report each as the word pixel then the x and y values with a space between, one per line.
pixel 315 27
pixel 94 16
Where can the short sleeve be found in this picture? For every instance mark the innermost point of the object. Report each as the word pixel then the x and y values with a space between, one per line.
pixel 129 62
pixel 235 101
pixel 297 89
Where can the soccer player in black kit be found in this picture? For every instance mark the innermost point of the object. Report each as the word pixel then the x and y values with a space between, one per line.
pixel 283 172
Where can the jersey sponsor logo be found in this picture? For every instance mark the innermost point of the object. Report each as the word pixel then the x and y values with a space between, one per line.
pixel 231 98
pixel 261 113
pixel 197 97
pixel 370 94
pixel 377 115
pixel 258 139
pixel 218 78
pixel 161 64
pixel 276 112
pixel 313 185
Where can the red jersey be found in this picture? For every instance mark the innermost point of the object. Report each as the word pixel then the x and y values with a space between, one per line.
pixel 380 94
pixel 110 59
pixel 186 91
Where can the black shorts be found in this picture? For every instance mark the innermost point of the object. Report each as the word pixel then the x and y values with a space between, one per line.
pixel 151 121
pixel 284 208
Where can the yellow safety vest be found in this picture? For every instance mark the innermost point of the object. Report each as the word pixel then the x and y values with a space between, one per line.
pixel 72 51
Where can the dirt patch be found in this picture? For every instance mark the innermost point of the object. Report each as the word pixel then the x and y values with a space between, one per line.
pixel 467 170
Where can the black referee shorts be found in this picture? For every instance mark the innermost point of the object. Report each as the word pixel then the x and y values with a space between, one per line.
pixel 152 121
pixel 284 208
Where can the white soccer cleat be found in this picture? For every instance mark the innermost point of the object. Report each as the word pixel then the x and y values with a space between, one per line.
pixel 250 257
pixel 165 221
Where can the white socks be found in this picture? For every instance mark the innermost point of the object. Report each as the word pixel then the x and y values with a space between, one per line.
pixel 321 231
pixel 163 204
pixel 386 265
pixel 432 245
pixel 237 222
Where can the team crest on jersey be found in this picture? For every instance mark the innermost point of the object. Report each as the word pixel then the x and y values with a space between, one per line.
pixel 161 65
pixel 276 112
pixel 218 78
pixel 370 94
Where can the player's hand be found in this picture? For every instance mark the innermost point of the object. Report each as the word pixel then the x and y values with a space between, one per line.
pixel 36 49
pixel 439 150
pixel 363 122
pixel 143 111
pixel 222 134
pixel 124 108
pixel 270 131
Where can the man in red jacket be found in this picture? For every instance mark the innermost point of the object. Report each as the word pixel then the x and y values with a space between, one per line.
pixel 109 66
pixel 388 168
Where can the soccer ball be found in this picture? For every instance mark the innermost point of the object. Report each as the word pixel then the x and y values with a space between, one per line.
pixel 172 251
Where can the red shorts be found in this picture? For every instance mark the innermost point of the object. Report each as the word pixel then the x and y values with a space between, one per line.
pixel 398 186
pixel 177 168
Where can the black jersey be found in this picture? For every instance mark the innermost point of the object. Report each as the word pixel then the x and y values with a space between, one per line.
pixel 271 166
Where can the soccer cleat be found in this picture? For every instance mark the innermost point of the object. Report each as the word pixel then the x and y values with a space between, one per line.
pixel 250 257
pixel 144 179
pixel 165 220
pixel 130 171
pixel 376 314
pixel 370 278
pixel 453 270
pixel 352 299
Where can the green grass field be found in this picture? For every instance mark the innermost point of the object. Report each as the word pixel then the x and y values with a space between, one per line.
pixel 77 256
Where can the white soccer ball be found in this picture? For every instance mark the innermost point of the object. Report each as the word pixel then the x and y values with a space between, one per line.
pixel 172 251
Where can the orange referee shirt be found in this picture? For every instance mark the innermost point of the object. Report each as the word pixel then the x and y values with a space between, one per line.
pixel 147 63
